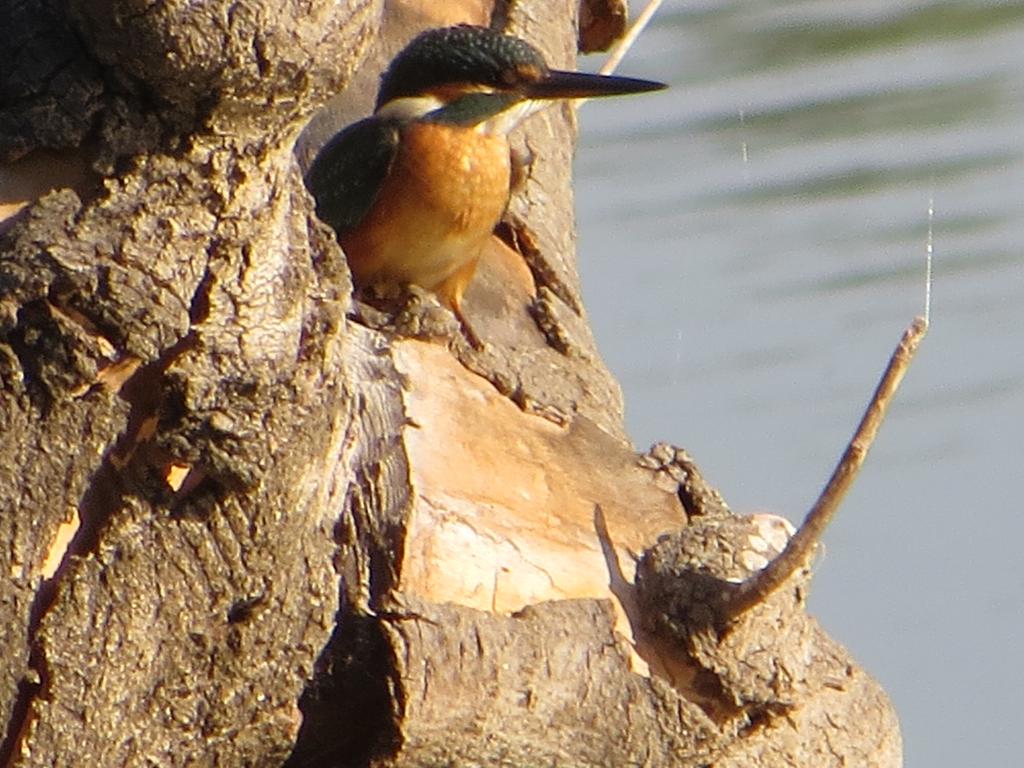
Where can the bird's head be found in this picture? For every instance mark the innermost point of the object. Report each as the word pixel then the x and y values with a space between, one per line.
pixel 477 77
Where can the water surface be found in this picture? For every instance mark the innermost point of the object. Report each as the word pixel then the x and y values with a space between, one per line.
pixel 752 246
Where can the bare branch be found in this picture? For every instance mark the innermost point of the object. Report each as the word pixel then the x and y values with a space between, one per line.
pixel 759 586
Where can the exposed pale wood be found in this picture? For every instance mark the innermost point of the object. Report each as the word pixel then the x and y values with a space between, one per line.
pixel 503 507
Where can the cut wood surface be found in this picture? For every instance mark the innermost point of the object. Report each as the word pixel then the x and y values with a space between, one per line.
pixel 503 515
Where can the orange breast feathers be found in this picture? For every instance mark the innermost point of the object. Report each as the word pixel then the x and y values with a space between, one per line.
pixel 446 191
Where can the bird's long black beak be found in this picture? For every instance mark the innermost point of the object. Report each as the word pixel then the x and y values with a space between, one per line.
pixel 559 84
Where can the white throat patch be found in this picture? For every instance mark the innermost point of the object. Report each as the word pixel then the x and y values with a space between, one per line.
pixel 410 107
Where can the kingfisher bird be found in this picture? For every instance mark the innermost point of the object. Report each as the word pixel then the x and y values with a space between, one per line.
pixel 415 191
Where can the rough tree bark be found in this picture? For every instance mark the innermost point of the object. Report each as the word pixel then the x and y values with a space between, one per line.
pixel 245 520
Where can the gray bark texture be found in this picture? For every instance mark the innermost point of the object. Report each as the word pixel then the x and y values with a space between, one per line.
pixel 206 479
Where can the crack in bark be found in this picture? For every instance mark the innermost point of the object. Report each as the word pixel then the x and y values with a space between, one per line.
pixel 18 722
pixel 100 500
pixel 516 234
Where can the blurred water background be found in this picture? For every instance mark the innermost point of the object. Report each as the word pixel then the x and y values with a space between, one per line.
pixel 752 246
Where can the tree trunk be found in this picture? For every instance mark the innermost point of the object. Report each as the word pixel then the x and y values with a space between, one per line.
pixel 247 520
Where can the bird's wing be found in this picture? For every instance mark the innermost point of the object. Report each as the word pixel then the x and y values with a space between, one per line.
pixel 348 172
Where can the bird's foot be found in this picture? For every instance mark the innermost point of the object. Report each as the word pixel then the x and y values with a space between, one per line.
pixel 413 312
